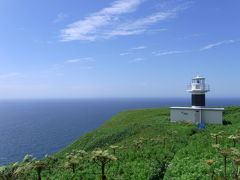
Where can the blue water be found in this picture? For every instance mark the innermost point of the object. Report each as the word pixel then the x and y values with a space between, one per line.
pixel 42 127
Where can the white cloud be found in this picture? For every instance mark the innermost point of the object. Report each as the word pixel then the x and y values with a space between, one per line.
pixel 124 54
pixel 140 23
pixel 122 32
pixel 121 6
pixel 140 26
pixel 134 48
pixel 87 59
pixel 136 60
pixel 210 46
pixel 87 29
pixel 168 53
pixel 157 30
pixel 107 23
pixel 9 75
pixel 139 47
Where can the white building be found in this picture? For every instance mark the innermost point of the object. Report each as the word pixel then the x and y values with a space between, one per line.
pixel 198 113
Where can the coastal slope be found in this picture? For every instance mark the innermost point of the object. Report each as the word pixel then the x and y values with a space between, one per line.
pixel 143 144
pixel 149 146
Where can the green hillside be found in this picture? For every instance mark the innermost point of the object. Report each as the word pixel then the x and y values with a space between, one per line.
pixel 143 144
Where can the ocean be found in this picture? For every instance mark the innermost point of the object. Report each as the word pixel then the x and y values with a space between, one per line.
pixel 40 127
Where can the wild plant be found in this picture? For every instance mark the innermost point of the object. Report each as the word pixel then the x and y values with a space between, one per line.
pixel 72 163
pixel 102 158
pixel 39 166
pixel 217 136
pixel 210 163
pixel 225 153
pixel 114 148
pixel 234 139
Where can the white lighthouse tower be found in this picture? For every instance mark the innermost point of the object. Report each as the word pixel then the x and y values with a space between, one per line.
pixel 198 113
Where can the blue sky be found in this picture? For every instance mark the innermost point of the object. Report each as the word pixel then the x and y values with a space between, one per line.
pixel 121 48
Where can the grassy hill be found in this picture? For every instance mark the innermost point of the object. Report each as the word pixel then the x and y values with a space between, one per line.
pixel 143 144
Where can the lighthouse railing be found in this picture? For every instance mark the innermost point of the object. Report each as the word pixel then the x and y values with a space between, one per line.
pixel 198 87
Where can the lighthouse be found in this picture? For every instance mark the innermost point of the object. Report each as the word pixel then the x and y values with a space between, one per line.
pixel 198 113
pixel 198 88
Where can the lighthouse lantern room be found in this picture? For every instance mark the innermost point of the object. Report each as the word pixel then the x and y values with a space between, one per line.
pixel 198 88
pixel 198 113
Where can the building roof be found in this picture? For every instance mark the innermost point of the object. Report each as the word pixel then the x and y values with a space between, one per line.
pixel 198 78
pixel 199 108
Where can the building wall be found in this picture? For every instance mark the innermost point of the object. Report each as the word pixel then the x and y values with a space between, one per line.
pixel 212 117
pixel 182 115
pixel 193 116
